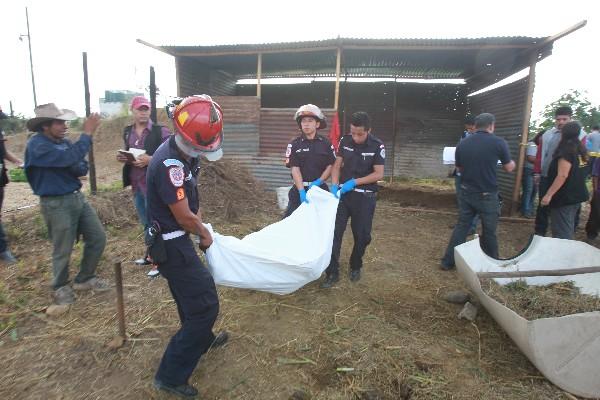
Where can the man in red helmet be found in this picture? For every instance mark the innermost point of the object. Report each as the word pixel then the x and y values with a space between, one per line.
pixel 172 201
pixel 310 156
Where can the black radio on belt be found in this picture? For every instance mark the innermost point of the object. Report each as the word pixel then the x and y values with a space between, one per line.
pixel 156 244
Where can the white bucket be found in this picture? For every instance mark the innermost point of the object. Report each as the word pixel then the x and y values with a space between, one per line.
pixel 282 196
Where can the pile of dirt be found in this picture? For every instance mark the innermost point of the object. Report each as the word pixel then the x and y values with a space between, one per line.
pixel 534 302
pixel 229 190
pixel 418 196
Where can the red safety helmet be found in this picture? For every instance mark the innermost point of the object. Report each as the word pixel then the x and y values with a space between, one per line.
pixel 199 121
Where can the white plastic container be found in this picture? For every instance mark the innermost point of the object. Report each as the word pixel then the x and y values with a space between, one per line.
pixel 282 196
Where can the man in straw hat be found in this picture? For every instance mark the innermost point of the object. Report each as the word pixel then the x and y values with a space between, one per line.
pixel 53 166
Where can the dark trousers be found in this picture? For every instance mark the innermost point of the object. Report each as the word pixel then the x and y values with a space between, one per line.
pixel 360 208
pixel 562 221
pixel 195 294
pixel 593 224
pixel 67 217
pixel 542 216
pixel 3 243
pixel 543 213
pixel 294 199
pixel 472 203
pixel 473 228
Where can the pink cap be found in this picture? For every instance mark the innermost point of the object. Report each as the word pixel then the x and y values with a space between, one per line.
pixel 139 101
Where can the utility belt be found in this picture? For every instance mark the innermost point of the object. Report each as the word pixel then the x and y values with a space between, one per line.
pixel 61 195
pixel 307 184
pixel 156 242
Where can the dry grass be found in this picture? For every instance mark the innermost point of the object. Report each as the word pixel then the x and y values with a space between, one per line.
pixel 389 336
pixel 549 301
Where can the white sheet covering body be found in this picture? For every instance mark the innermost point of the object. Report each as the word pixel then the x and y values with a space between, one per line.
pixel 282 257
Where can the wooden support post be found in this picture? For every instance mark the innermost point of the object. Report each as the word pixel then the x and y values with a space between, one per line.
pixel 87 114
pixel 524 133
pixel 120 304
pixel 258 74
pixel 153 112
pixel 393 149
pixel 338 64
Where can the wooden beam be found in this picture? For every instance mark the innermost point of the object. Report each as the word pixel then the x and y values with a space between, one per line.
pixel 258 74
pixel 560 35
pixel 541 272
pixel 448 47
pixel 524 134
pixel 338 64
pixel 196 53
pixel 178 75
pixel 159 48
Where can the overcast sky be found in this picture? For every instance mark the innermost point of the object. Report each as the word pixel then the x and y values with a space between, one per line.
pixel 61 30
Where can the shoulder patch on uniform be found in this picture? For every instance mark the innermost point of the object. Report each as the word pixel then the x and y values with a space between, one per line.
pixel 176 176
pixel 171 161
pixel 382 151
pixel 288 151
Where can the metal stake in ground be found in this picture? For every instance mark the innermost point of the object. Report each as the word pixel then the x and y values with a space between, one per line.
pixel 87 114
pixel 118 341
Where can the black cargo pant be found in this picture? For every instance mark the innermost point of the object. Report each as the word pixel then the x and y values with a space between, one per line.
pixel 360 208
pixel 197 302
pixel 294 199
pixel 593 225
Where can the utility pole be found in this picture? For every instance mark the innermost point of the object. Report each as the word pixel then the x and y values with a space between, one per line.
pixel 30 56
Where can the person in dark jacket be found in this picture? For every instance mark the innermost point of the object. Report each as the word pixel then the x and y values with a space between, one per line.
pixel 6 256
pixel 53 166
pixel 567 173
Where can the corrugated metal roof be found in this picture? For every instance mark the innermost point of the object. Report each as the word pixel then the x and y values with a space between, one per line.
pixel 479 61
pixel 509 41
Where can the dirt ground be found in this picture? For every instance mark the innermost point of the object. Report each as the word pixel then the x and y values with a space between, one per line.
pixel 389 336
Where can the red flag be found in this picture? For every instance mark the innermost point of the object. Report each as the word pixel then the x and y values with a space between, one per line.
pixel 334 132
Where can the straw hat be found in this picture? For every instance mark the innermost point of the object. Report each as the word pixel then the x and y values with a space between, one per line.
pixel 49 112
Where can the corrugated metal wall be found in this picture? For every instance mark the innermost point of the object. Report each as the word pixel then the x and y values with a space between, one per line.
pixel 428 118
pixel 196 78
pixel 278 128
pixel 241 115
pixel 377 100
pixel 507 103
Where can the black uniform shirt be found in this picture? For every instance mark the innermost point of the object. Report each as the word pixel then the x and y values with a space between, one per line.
pixel 359 159
pixel 170 178
pixel 311 156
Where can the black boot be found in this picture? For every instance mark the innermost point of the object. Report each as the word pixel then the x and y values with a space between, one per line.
pixel 187 391
pixel 355 275
pixel 329 281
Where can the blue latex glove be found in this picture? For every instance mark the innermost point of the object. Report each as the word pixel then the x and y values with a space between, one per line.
pixel 334 189
pixel 316 182
pixel 303 196
pixel 348 186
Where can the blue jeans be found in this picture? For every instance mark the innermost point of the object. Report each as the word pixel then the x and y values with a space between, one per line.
pixel 529 192
pixel 475 221
pixel 139 200
pixel 472 203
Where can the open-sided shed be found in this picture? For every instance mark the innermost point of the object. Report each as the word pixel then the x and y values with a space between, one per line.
pixel 418 92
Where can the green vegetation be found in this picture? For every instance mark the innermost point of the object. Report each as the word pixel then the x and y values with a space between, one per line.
pixel 583 111
pixel 17 175
pixel 14 124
